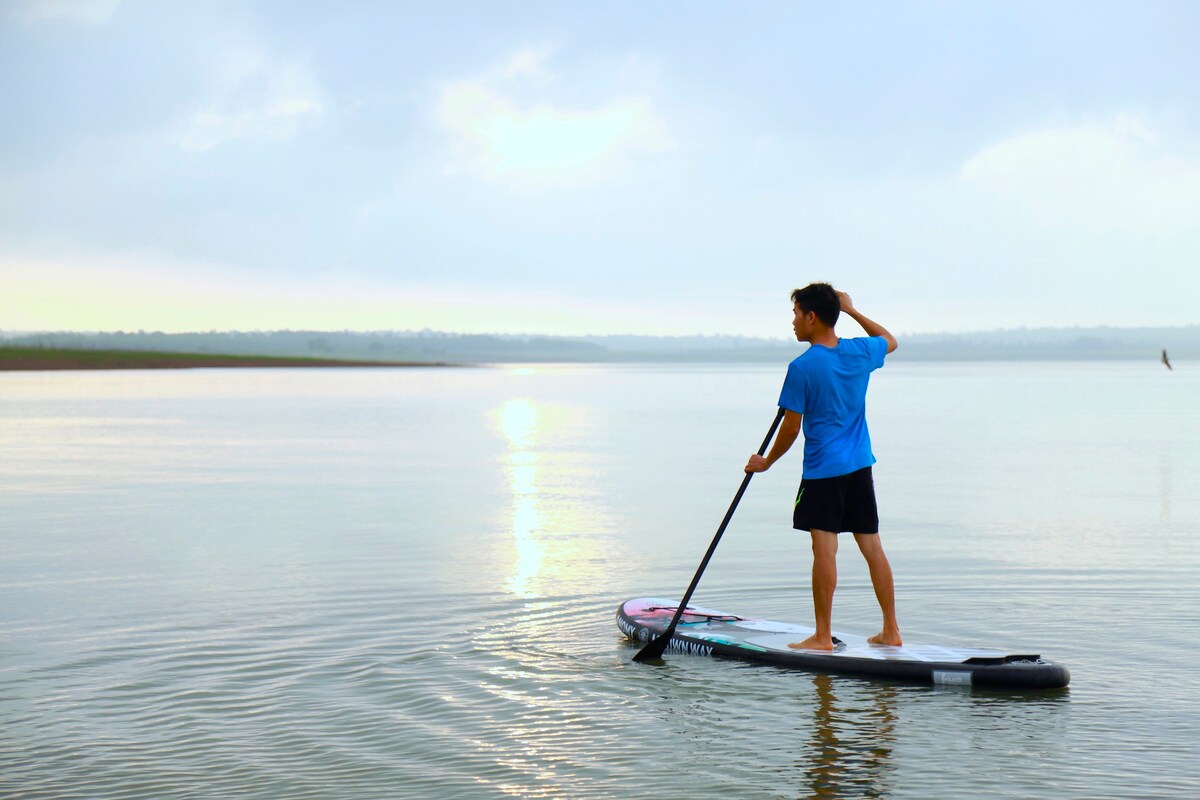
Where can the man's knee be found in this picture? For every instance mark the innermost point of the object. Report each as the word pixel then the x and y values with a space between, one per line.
pixel 824 543
pixel 868 542
pixel 871 549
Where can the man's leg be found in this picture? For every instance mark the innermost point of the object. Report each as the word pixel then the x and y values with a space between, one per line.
pixel 824 581
pixel 885 592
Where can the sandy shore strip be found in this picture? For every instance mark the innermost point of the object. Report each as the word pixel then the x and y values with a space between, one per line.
pixel 38 359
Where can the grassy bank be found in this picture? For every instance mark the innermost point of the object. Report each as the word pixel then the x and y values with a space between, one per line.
pixel 37 358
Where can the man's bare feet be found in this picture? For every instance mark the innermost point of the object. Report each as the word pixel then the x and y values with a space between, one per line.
pixel 814 643
pixel 886 638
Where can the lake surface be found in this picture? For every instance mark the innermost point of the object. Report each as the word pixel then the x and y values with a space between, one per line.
pixel 401 583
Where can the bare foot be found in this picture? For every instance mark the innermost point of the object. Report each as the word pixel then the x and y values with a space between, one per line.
pixel 885 638
pixel 814 643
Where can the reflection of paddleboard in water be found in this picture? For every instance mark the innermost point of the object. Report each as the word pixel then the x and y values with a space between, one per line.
pixel 702 631
pixel 1167 361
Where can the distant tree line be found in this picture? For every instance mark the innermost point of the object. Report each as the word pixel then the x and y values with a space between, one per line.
pixel 431 346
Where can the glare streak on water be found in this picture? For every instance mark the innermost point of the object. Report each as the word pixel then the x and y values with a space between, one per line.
pixel 402 584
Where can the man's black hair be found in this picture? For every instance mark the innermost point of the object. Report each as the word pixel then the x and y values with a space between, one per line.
pixel 821 299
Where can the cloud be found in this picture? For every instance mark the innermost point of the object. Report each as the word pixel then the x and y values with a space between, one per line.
pixel 251 95
pixel 1115 176
pixel 529 62
pixel 84 12
pixel 504 127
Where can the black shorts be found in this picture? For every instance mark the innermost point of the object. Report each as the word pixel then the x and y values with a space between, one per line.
pixel 842 504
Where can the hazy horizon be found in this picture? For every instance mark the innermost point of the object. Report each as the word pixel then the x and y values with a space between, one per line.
pixel 550 169
pixel 426 331
pixel 445 347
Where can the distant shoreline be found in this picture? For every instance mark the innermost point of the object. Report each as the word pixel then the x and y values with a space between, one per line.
pixel 36 359
pixel 451 349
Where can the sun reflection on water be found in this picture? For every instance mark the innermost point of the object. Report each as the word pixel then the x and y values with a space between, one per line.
pixel 518 420
pixel 519 423
pixel 554 506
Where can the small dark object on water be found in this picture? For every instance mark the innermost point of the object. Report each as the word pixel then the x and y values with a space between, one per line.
pixel 1167 361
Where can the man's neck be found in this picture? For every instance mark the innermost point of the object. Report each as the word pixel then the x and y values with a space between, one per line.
pixel 825 338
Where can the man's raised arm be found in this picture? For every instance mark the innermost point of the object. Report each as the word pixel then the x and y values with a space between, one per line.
pixel 872 327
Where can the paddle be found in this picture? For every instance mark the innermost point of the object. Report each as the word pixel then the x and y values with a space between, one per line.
pixel 655 649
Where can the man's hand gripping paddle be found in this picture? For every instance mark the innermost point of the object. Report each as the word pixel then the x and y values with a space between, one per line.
pixel 655 649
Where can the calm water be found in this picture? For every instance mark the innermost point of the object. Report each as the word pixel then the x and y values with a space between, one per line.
pixel 358 584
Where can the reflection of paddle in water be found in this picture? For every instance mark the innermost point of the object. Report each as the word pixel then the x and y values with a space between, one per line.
pixel 1167 361
pixel 849 752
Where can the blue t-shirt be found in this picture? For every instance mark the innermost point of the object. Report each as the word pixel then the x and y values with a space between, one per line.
pixel 828 385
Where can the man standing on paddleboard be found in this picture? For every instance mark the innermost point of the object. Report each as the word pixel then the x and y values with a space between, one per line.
pixel 825 392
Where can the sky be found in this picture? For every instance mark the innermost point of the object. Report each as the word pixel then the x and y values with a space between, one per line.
pixel 661 168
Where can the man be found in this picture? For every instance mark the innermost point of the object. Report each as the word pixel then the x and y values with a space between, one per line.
pixel 825 390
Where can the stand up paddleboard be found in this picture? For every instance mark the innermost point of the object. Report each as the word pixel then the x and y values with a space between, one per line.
pixel 703 631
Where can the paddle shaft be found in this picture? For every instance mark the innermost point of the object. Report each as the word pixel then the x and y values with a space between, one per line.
pixel 658 646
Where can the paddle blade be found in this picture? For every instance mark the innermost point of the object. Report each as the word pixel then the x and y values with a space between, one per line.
pixel 655 649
